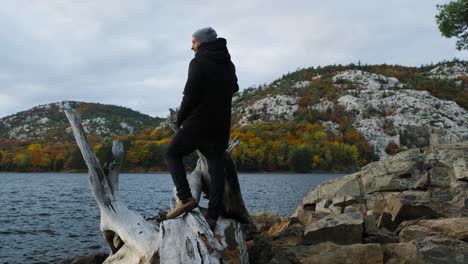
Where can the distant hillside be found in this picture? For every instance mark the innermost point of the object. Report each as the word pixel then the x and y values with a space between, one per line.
pixel 48 122
pixel 391 106
pixel 336 118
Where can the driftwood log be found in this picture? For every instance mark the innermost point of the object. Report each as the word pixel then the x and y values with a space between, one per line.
pixel 186 239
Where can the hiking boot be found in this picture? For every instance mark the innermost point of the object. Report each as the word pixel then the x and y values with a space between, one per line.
pixel 181 207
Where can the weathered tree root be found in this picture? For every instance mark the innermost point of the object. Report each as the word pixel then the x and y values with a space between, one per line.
pixel 186 239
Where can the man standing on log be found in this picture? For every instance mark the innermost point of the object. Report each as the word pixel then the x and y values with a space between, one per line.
pixel 204 121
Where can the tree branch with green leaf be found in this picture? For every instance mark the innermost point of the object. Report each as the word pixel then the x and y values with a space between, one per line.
pixel 452 21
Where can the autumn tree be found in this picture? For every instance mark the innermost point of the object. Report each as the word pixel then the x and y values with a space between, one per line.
pixel 39 158
pixel 74 159
pixel 155 155
pixel 6 163
pixel 103 151
pixel 22 160
pixel 300 159
pixel 1 158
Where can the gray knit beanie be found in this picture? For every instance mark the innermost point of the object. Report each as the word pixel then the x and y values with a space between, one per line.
pixel 205 34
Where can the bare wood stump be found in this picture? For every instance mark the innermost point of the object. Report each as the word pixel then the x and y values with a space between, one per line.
pixel 186 239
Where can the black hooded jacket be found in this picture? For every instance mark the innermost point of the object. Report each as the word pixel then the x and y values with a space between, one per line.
pixel 205 111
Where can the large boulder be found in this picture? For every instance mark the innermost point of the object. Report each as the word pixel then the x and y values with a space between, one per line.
pixel 418 168
pixel 427 250
pixel 455 228
pixel 319 203
pixel 92 258
pixel 460 169
pixel 329 252
pixel 345 229
pixel 373 198
pixel 260 249
pixel 347 185
pixel 398 173
pixel 289 237
pixel 406 205
pixel 449 162
pixel 264 220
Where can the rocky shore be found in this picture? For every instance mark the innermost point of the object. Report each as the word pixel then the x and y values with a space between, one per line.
pixel 409 208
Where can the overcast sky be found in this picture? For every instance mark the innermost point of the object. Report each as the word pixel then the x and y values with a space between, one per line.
pixel 136 53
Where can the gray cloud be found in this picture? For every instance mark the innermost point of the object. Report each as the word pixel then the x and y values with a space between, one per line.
pixel 136 53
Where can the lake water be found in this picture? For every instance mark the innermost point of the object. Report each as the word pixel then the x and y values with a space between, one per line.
pixel 47 216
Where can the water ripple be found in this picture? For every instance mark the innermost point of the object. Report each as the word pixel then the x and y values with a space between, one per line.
pixel 50 216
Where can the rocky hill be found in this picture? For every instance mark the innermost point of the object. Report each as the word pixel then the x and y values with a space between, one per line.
pixel 333 118
pixel 384 109
pixel 407 112
pixel 49 122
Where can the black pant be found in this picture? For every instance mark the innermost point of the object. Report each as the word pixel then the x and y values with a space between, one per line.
pixel 183 144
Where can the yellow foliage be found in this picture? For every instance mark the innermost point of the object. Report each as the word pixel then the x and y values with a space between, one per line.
pixel 35 150
pixel 234 153
pixel 97 148
pixel 34 147
pixel 163 141
pixel 155 133
pixel 354 152
pixel 315 161
pixel 255 141
pixel 248 135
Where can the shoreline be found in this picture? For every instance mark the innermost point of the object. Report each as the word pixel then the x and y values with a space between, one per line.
pixel 188 172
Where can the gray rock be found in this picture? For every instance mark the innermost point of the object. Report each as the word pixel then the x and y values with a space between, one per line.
pixel 398 173
pixel 329 252
pixel 446 163
pixel 314 204
pixel 404 206
pixel 460 168
pixel 373 198
pixel 342 201
pixel 455 228
pixel 92 258
pixel 385 221
pixel 442 250
pixel 370 225
pixel 354 208
pixel 260 249
pixel 341 229
pixel 428 250
pixel 411 205
pixel 265 220
pixel 290 236
pixel 385 236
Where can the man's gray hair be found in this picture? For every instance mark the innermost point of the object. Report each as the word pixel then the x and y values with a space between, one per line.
pixel 205 34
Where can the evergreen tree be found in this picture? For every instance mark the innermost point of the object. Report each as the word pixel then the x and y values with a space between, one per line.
pixel 452 21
